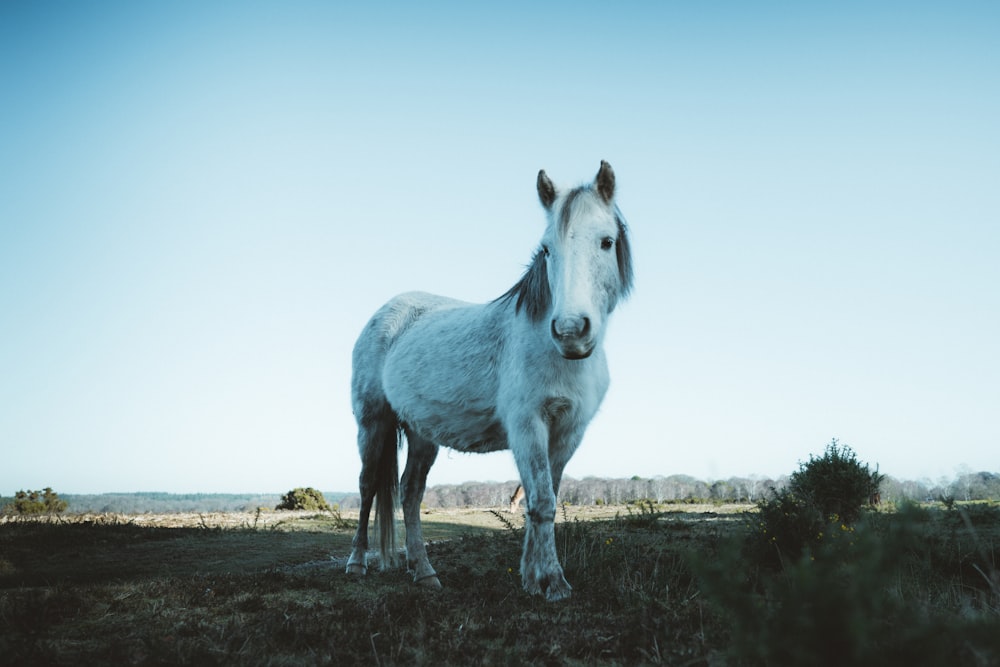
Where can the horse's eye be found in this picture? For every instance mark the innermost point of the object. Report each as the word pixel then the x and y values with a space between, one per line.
pixel 545 250
pixel 607 243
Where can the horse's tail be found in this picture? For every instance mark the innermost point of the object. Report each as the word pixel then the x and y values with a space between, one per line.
pixel 387 438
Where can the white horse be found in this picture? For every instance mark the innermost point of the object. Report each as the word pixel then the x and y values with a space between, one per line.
pixel 526 371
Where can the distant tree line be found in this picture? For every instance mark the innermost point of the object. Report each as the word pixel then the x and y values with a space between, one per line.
pixel 966 486
pixel 687 489
pixel 162 503
pixel 599 491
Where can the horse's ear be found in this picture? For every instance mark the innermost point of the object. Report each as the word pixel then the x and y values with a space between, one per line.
pixel 605 182
pixel 546 191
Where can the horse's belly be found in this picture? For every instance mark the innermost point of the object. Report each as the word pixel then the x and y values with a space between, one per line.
pixel 483 437
pixel 461 416
pixel 464 430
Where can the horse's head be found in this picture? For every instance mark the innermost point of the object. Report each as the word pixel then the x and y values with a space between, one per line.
pixel 587 261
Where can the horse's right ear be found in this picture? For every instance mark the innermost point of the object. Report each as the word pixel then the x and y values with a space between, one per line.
pixel 546 191
pixel 605 182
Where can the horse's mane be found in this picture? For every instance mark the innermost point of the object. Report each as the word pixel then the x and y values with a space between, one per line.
pixel 623 249
pixel 532 290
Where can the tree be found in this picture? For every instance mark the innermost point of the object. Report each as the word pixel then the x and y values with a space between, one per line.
pixel 721 491
pixel 975 485
pixel 46 501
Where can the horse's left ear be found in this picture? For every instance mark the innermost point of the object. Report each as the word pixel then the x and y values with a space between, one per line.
pixel 546 190
pixel 605 182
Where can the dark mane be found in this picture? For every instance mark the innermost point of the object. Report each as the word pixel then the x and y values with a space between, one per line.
pixel 565 215
pixel 623 249
pixel 532 290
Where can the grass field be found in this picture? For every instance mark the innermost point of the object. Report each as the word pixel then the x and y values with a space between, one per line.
pixel 651 586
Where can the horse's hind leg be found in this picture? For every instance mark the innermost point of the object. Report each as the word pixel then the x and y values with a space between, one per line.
pixel 377 438
pixel 358 562
pixel 419 459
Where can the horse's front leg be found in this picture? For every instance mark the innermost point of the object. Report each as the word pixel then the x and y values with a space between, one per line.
pixel 541 572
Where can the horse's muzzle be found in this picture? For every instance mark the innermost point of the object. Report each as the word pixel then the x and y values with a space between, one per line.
pixel 572 337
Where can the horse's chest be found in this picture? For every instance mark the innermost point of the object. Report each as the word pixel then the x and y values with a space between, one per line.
pixel 574 396
pixel 557 409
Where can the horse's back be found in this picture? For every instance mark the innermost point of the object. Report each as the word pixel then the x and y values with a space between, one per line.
pixel 435 361
pixel 400 313
pixel 392 321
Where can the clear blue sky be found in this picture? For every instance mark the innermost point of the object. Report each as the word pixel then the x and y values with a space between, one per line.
pixel 202 203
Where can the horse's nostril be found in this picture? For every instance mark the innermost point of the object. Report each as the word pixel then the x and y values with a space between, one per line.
pixel 561 329
pixel 571 327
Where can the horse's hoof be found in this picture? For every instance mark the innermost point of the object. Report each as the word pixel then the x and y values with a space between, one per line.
pixel 554 587
pixel 431 582
pixel 557 593
pixel 357 570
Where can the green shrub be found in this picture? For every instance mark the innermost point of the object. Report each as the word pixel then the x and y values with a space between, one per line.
pixel 646 513
pixel 783 527
pixel 825 497
pixel 809 613
pixel 836 483
pixel 46 501
pixel 868 594
pixel 303 499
